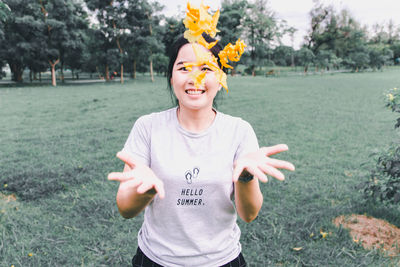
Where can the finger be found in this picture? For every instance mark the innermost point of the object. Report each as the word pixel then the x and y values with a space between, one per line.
pixel 132 183
pixel 119 176
pixel 159 186
pixel 125 157
pixel 237 171
pixel 281 164
pixel 257 173
pixel 144 187
pixel 272 150
pixel 272 172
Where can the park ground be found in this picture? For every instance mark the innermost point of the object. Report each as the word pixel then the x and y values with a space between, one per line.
pixel 57 145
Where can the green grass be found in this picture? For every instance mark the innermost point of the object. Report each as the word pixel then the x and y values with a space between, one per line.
pixel 58 144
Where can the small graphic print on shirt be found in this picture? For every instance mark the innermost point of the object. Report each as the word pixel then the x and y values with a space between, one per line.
pixel 189 175
pixel 192 196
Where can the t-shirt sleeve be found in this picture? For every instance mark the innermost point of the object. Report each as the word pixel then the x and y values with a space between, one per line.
pixel 248 143
pixel 138 142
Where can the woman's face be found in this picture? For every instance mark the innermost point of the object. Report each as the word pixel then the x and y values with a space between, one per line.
pixel 183 84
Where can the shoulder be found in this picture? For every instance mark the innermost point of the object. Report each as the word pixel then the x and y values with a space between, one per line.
pixel 237 123
pixel 156 118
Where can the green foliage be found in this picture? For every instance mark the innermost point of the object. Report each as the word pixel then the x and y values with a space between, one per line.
pixel 305 57
pixel 384 182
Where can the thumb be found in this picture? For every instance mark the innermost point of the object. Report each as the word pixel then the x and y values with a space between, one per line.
pixel 127 158
pixel 237 171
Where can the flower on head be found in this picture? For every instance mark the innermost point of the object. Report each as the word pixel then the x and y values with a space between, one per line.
pixel 198 78
pixel 197 21
pixel 231 52
pixel 391 97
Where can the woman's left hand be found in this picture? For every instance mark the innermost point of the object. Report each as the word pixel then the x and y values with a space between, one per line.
pixel 259 164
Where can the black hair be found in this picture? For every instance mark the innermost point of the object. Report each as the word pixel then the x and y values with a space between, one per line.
pixel 173 53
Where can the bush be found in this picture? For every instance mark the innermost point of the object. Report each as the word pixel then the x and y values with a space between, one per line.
pixel 384 181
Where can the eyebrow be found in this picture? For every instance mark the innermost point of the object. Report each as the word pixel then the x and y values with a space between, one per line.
pixel 181 62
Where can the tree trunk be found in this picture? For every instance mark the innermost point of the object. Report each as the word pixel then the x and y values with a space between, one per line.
pixel 134 70
pixel 17 72
pixel 107 73
pixel 53 71
pixel 122 73
pixel 40 76
pixel 62 72
pixel 72 74
pixel 151 68
pixel 30 75
pixel 292 60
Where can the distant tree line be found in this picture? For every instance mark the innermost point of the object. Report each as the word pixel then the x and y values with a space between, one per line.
pixel 104 37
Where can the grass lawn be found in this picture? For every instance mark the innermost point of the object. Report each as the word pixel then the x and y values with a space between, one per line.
pixel 57 146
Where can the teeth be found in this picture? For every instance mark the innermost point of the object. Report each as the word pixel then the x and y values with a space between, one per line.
pixel 194 92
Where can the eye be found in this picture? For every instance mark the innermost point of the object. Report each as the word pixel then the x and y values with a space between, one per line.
pixel 205 68
pixel 183 68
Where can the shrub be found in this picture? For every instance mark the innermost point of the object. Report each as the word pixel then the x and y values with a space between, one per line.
pixel 384 181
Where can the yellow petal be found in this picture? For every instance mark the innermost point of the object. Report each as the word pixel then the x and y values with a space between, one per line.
pixel 298 249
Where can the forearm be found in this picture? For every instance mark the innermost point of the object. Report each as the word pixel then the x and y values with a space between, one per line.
pixel 248 199
pixel 130 203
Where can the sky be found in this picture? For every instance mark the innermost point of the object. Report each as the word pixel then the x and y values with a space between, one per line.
pixel 296 12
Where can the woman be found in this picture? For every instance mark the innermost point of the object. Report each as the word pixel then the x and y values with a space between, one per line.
pixel 191 168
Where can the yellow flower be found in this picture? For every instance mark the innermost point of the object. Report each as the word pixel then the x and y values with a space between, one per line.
pixel 355 240
pixel 30 254
pixel 394 89
pixel 198 78
pixel 323 234
pixel 391 97
pixel 5 185
pixel 231 52
pixel 298 249
pixel 197 21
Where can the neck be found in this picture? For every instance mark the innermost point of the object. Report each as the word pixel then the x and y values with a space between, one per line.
pixel 195 121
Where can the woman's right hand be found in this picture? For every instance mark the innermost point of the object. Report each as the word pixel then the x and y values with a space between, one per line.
pixel 138 176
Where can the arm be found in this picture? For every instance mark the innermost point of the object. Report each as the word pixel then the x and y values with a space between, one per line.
pixel 138 186
pixel 248 196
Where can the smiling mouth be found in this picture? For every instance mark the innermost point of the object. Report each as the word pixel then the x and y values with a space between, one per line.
pixel 195 92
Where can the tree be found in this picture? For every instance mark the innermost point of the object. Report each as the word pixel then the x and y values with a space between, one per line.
pixel 23 31
pixel 358 59
pixel 5 14
pixel 261 28
pixel 172 29
pixel 105 11
pixel 64 23
pixel 305 57
pixel 282 55
pixel 151 30
pixel 380 55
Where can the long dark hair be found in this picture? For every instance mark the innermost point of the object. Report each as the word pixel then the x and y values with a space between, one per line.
pixel 173 53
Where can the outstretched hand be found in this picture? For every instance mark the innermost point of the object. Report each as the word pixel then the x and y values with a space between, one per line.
pixel 139 176
pixel 259 164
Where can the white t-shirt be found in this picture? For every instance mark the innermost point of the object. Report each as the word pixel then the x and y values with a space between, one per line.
pixel 195 224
